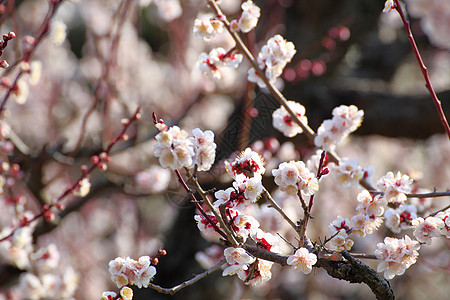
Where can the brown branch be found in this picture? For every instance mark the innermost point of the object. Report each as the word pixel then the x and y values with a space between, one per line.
pixel 173 290
pixel 436 101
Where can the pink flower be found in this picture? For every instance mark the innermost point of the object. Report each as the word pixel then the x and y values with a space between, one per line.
pixel 302 260
pixel 426 229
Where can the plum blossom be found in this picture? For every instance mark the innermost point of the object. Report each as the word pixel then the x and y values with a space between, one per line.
pixel 345 120
pixel 249 17
pixel 425 229
pixel 293 176
pixel 212 63
pixel 126 271
pixel 272 59
pixel 348 172
pixel 238 261
pixel 340 227
pixel 206 229
pixel 371 205
pixel 302 260
pixel 108 295
pixel 395 187
pixel 388 6
pixel 400 218
pixel 248 163
pixel 445 217
pixel 245 190
pixel 262 272
pixel 396 255
pixel 173 148
pixel 204 148
pixel 206 27
pixel 83 188
pixel 267 240
pixel 283 122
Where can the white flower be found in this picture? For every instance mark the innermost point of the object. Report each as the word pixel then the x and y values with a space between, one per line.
pixel 262 273
pixel 248 163
pixel 206 229
pixel 400 218
pixel 58 32
pixel 272 59
pixel 395 187
pixel 267 240
pixel 212 63
pixel 126 271
pixel 283 121
pixel 302 260
pixel 31 287
pixel 346 119
pixel 174 149
pixel 370 205
pixel 348 172
pixel 108 296
pixel 426 229
pixel 445 217
pixel 251 187
pixel 204 148
pixel 253 76
pixel 237 256
pixel 294 176
pixel 126 293
pixel 396 255
pixel 249 17
pixel 83 188
pixel 47 258
pixel 206 27
pixel 388 6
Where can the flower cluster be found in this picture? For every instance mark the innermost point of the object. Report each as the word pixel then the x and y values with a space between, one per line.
pixel 272 59
pixel 395 187
pixel 294 176
pixel 211 63
pixel 425 229
pixel 370 209
pixel 125 271
pixel 346 119
pixel 248 18
pixel 245 191
pixel 206 27
pixel 396 255
pixel 282 120
pixel 302 260
pixel 341 228
pixel 400 218
pixel 176 150
pixel 246 267
pixel 248 163
pixel 445 217
pixel 348 172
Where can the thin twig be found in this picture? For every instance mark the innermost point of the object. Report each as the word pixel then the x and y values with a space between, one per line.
pixel 279 209
pixel 231 237
pixel 422 195
pixel 436 101
pixel 173 290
